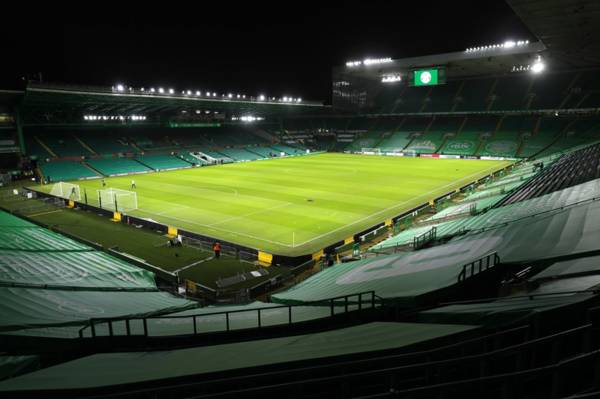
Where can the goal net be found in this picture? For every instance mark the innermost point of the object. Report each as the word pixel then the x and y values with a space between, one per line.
pixel 66 190
pixel 371 151
pixel 117 200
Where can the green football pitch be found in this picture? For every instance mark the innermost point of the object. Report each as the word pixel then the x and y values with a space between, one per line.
pixel 293 206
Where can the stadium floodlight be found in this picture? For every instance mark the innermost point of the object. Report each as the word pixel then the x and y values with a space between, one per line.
pixel 198 93
pixel 509 44
pixel 229 95
pixel 214 94
pixel 120 87
pixel 373 61
pixel 538 66
pixel 299 99
pixel 152 90
pixel 391 78
pixel 161 90
pixel 261 97
pixel 189 92
pixel 171 91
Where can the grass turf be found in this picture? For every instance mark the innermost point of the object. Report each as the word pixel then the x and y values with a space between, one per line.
pixel 293 206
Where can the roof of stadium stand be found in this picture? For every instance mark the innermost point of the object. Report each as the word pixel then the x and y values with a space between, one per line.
pixel 458 64
pixel 567 37
pixel 568 28
pixel 43 100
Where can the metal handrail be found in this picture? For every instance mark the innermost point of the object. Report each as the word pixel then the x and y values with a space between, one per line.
pixel 477 266
pixel 390 370
pixel 371 298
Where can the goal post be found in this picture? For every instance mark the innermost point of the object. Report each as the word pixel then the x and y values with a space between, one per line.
pixel 117 200
pixel 66 190
pixel 371 151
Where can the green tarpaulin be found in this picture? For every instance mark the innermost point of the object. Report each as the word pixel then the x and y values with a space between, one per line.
pixel 137 367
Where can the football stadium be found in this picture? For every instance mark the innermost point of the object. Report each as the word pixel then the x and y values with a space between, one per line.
pixel 432 230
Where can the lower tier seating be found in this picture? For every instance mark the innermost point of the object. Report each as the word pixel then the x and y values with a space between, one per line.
pixel 117 166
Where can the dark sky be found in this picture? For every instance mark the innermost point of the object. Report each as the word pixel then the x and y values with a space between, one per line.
pixel 277 48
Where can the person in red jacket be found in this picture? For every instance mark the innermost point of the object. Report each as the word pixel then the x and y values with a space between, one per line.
pixel 217 249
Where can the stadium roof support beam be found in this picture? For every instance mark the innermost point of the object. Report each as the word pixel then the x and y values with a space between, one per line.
pixel 19 125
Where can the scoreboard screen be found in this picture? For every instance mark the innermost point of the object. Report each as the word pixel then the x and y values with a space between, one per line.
pixel 428 77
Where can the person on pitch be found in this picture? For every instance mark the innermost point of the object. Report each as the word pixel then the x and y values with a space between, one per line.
pixel 217 249
pixel 133 184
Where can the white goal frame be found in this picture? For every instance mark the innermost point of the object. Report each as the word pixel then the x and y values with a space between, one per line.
pixel 125 200
pixel 66 190
pixel 375 151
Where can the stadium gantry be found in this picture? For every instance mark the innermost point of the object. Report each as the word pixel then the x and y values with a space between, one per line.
pixel 435 232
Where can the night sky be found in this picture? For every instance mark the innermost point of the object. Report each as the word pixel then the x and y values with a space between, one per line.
pixel 282 48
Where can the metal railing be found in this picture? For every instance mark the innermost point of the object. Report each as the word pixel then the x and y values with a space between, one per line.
pixel 348 303
pixel 341 376
pixel 421 240
pixel 477 266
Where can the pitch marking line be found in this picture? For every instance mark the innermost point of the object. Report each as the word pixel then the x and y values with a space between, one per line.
pixel 324 234
pixel 252 213
pixel 221 229
pixel 391 207
pixel 43 213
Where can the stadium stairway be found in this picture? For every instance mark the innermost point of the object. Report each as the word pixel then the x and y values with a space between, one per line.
pixel 45 147
pixel 84 145
pixel 88 166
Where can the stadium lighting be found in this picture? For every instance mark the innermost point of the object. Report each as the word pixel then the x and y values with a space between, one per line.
pixel 261 97
pixel 229 95
pixel 161 90
pixel 120 87
pixel 152 90
pixel 373 61
pixel 142 89
pixel 351 64
pixel 391 78
pixel 299 99
pixel 214 94
pixel 538 66
pixel 506 45
pixel 171 91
